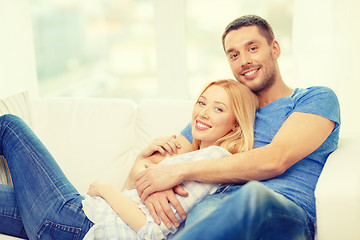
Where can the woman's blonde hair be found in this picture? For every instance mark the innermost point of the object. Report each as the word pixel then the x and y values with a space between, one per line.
pixel 244 104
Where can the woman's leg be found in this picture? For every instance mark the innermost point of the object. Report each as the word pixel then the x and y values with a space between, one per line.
pixel 10 219
pixel 47 202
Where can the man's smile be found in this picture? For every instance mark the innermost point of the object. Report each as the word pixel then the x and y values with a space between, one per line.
pixel 250 74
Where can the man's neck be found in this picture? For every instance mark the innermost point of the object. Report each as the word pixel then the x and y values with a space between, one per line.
pixel 278 90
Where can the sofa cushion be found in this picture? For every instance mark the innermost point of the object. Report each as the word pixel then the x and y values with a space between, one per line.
pixel 160 118
pixel 19 105
pixel 89 138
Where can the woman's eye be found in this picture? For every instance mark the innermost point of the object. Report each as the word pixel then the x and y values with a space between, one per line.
pixel 218 109
pixel 201 103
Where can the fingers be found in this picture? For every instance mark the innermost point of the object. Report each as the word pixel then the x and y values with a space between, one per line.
pixel 175 202
pixel 144 186
pixel 168 217
pixel 167 145
pixel 179 189
pixel 141 183
pixel 160 209
pixel 153 213
pixel 145 193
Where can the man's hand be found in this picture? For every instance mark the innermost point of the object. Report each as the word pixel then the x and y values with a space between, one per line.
pixel 163 145
pixel 158 204
pixel 157 177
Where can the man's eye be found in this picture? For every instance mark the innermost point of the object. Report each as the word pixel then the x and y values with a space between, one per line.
pixel 252 49
pixel 232 56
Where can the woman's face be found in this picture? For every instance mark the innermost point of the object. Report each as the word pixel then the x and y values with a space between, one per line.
pixel 212 116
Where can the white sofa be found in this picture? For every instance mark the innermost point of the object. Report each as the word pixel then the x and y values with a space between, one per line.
pixel 99 139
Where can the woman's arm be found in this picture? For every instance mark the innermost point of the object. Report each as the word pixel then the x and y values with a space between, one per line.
pixel 157 151
pixel 124 207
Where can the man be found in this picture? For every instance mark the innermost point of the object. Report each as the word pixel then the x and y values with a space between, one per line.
pixel 272 195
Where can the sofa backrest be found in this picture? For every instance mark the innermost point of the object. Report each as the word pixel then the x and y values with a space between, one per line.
pixel 98 139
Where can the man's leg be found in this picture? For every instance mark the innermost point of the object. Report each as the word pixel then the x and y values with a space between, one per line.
pixel 204 208
pixel 252 212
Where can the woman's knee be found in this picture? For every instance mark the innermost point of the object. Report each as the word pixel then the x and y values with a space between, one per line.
pixel 10 118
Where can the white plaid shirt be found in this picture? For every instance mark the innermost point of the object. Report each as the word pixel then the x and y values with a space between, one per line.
pixel 108 225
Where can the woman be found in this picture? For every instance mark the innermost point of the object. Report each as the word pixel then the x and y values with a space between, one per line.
pixel 46 206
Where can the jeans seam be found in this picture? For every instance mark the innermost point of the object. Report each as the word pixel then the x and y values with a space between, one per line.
pixel 35 159
pixel 47 222
pixel 10 216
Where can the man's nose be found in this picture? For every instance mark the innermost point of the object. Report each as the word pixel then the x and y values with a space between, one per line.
pixel 245 59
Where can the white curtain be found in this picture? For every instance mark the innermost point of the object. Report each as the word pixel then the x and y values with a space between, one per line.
pixel 17 59
pixel 326 48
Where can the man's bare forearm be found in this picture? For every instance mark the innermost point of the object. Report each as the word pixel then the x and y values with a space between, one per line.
pixel 139 166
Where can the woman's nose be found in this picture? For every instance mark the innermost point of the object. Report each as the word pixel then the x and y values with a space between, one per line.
pixel 204 113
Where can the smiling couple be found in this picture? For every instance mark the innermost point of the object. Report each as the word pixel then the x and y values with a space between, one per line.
pixel 245 167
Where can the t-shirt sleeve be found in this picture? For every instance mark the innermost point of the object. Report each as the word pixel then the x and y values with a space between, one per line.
pixel 187 133
pixel 321 101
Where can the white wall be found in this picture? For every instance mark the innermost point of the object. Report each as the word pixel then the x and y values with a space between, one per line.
pixel 326 50
pixel 170 45
pixel 326 47
pixel 17 61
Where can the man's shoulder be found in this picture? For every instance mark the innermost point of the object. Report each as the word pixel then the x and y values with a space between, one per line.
pixel 314 93
pixel 317 100
pixel 314 90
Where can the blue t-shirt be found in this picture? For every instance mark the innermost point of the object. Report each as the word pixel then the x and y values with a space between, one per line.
pixel 299 181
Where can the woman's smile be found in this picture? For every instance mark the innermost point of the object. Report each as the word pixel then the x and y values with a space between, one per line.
pixel 201 125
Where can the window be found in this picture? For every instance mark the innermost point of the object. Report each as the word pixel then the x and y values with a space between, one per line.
pixel 94 48
pixel 141 48
pixel 205 24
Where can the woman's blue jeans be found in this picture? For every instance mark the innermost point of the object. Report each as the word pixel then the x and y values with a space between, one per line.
pixel 42 204
pixel 252 212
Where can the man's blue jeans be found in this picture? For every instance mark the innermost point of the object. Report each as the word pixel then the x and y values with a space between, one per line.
pixel 42 204
pixel 251 212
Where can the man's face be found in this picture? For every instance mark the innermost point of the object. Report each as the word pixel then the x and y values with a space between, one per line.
pixel 252 59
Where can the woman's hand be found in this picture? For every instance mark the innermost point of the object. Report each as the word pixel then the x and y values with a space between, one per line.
pixel 162 145
pixel 97 188
pixel 158 177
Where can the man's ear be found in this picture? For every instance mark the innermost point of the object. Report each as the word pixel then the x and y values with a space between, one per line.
pixel 275 47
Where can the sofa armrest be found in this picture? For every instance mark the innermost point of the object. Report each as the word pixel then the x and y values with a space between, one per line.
pixel 338 193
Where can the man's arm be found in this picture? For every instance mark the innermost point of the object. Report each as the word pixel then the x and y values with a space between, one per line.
pixel 299 136
pixel 158 203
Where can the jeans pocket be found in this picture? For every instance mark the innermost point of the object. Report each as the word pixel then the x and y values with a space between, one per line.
pixel 51 230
